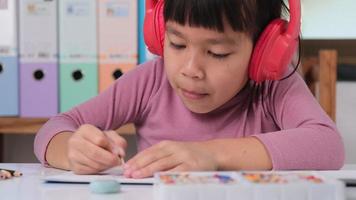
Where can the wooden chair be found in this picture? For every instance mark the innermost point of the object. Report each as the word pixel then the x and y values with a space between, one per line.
pixel 320 73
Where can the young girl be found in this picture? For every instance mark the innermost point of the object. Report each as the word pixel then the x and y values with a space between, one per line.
pixel 207 103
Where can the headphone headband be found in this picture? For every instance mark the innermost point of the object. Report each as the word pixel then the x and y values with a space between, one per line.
pixel 150 4
pixel 295 18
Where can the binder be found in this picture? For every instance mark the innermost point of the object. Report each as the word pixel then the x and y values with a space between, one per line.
pixel 117 33
pixel 8 59
pixel 77 52
pixel 38 58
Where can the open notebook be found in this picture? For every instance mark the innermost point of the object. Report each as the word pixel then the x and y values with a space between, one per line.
pixel 111 174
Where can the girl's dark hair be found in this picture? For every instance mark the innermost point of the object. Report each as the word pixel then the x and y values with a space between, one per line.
pixel 248 16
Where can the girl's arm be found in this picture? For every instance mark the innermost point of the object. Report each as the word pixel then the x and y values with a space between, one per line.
pixel 57 151
pixel 307 140
pixel 239 154
pixel 124 102
pixel 218 154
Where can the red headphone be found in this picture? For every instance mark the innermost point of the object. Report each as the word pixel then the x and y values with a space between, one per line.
pixel 272 53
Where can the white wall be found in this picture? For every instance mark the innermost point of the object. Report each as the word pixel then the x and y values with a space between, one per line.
pixel 346 117
pixel 329 19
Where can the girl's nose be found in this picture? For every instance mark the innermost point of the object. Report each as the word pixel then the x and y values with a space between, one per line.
pixel 193 67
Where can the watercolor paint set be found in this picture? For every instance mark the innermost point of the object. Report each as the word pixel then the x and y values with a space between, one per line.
pixel 246 185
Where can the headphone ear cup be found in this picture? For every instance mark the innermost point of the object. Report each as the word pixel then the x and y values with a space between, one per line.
pixel 272 53
pixel 154 29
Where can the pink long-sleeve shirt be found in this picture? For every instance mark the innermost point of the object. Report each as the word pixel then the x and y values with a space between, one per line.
pixel 295 130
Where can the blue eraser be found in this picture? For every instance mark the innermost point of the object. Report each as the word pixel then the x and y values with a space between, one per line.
pixel 104 186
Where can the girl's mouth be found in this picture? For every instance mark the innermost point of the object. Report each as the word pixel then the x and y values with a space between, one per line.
pixel 193 95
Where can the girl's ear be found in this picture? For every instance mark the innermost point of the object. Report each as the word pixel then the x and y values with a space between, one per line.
pixel 154 26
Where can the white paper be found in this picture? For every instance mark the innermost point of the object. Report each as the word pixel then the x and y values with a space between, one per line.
pixel 70 177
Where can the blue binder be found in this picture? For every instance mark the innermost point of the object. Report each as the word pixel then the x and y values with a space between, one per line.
pixel 9 86
pixel 8 60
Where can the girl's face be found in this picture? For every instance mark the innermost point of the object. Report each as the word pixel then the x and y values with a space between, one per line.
pixel 206 68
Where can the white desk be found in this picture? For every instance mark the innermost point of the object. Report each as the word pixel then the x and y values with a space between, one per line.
pixel 31 187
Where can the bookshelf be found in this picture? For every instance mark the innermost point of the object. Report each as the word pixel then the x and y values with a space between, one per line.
pixel 14 125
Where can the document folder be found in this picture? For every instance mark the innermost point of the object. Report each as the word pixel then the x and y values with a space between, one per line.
pixel 38 58
pixel 8 59
pixel 78 52
pixel 117 39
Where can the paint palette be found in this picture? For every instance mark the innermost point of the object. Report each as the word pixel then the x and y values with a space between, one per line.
pixel 246 185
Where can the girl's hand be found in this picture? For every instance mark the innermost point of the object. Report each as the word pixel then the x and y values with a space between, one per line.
pixel 91 150
pixel 171 156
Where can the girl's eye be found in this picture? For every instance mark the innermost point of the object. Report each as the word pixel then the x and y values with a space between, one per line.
pixel 219 56
pixel 176 46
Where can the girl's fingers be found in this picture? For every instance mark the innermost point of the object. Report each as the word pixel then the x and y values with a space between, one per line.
pixel 98 154
pixel 163 164
pixel 83 169
pixel 152 153
pixel 118 143
pixel 94 143
pixel 179 168
pixel 92 150
pixel 95 136
pixel 85 165
pixel 145 158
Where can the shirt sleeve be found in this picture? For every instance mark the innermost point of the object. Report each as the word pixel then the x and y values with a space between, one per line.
pixel 126 101
pixel 308 138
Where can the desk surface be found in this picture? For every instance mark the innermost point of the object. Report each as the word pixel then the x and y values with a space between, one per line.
pixel 31 187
